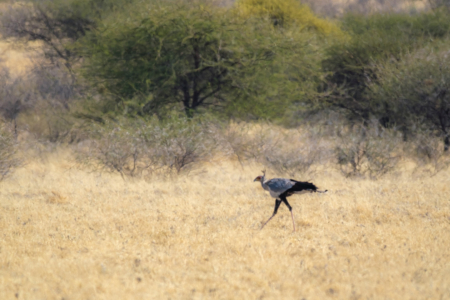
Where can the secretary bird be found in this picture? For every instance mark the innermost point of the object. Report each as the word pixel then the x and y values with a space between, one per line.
pixel 280 188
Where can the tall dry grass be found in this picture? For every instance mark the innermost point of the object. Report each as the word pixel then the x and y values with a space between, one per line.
pixel 67 233
pixel 17 58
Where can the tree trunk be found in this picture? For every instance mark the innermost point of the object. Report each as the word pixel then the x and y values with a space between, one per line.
pixel 447 143
pixel 188 109
pixel 15 128
pixel 189 112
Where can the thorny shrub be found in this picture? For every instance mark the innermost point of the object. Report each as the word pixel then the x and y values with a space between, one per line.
pixel 284 151
pixel 112 148
pixel 367 150
pixel 139 148
pixel 428 152
pixel 14 97
pixel 178 144
pixel 38 100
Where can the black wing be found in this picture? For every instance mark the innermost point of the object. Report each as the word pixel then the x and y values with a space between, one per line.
pixel 300 186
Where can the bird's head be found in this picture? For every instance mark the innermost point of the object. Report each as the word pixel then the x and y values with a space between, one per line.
pixel 260 178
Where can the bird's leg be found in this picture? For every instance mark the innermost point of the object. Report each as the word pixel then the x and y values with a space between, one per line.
pixel 290 209
pixel 277 204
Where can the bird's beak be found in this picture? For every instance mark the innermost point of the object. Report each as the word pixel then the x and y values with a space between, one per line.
pixel 256 179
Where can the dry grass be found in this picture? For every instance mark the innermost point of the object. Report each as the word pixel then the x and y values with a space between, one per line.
pixel 16 58
pixel 70 234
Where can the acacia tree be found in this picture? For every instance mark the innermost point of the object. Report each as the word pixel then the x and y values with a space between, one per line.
pixel 191 56
pixel 417 90
pixel 374 39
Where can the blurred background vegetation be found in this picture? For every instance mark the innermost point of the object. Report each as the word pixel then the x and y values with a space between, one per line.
pixel 144 87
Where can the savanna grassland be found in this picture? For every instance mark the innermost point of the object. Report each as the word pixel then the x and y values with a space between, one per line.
pixel 131 133
pixel 68 233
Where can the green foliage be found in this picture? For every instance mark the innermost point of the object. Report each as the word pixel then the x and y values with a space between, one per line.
pixel 430 25
pixel 416 89
pixel 375 38
pixel 174 55
pixel 195 57
pixel 286 86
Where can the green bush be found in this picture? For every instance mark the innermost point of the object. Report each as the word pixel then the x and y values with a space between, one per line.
pixel 377 38
pixel 196 57
pixel 430 25
pixel 414 92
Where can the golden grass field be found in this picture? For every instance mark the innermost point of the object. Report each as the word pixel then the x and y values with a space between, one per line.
pixel 67 233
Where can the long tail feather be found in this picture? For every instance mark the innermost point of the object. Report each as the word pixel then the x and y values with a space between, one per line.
pixel 301 186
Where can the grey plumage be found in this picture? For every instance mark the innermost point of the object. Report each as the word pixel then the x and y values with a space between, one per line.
pixel 280 188
pixel 277 186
